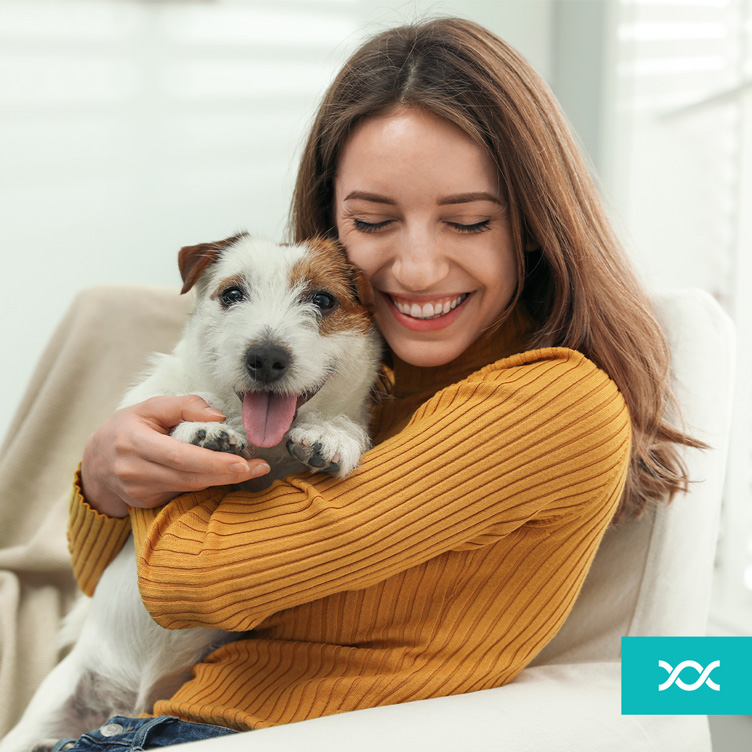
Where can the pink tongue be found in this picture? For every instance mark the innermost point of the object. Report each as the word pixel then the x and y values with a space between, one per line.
pixel 267 416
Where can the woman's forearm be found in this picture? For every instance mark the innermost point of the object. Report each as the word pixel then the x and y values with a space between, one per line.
pixel 541 439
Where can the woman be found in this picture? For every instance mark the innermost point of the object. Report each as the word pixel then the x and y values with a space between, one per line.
pixel 527 410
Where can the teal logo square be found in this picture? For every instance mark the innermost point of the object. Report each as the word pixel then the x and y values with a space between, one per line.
pixel 686 675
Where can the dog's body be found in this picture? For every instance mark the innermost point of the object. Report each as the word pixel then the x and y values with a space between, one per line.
pixel 282 343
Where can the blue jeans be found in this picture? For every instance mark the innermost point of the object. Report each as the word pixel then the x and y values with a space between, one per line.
pixel 121 734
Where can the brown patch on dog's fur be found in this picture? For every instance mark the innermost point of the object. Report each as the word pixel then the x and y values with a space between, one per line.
pixel 234 281
pixel 325 267
pixel 193 259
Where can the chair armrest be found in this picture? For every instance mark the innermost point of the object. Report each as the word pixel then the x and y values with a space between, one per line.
pixel 573 707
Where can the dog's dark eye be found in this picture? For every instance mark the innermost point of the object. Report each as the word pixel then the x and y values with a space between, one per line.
pixel 324 301
pixel 231 295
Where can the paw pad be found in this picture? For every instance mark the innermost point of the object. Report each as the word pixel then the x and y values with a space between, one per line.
pixel 311 455
pixel 216 438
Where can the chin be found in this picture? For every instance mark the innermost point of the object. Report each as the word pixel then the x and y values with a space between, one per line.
pixel 426 354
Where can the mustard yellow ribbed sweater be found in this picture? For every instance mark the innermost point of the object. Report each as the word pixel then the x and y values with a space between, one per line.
pixel 442 565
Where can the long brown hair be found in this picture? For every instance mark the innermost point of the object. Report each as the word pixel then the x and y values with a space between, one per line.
pixel 578 284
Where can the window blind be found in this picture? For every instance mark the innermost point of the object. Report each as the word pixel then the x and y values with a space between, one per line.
pixel 684 122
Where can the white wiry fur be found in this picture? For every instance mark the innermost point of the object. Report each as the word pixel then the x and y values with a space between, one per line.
pixel 122 661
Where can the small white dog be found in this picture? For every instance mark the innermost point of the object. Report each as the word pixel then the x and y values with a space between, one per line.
pixel 282 342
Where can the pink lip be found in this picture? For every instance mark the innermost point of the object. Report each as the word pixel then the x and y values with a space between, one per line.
pixel 424 325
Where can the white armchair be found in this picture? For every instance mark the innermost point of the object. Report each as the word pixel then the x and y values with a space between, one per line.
pixel 650 577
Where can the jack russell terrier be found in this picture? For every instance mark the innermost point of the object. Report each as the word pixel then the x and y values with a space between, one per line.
pixel 283 343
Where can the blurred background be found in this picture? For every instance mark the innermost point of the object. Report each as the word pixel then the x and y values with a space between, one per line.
pixel 129 129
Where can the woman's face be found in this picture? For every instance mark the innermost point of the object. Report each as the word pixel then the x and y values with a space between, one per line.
pixel 418 208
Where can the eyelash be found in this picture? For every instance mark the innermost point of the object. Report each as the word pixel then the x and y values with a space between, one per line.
pixel 370 226
pixel 472 229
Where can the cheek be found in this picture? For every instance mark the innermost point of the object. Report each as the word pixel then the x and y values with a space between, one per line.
pixel 503 259
pixel 497 270
pixel 360 252
pixel 505 271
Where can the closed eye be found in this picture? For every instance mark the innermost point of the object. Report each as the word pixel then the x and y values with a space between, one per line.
pixel 371 226
pixel 475 227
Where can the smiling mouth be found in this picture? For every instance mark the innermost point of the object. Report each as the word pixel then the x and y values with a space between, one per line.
pixel 431 310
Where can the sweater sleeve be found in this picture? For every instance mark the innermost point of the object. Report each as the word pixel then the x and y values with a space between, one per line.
pixel 526 440
pixel 94 539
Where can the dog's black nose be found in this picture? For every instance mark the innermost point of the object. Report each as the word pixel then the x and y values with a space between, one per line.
pixel 267 363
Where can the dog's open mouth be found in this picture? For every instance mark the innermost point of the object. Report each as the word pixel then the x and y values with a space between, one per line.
pixel 267 416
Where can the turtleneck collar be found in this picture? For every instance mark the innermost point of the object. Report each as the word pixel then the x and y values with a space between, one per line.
pixel 507 339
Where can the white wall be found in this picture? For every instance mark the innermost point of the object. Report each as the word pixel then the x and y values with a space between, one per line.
pixel 129 129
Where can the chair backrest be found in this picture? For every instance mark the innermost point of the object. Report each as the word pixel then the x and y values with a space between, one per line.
pixel 95 354
pixel 103 340
pixel 653 576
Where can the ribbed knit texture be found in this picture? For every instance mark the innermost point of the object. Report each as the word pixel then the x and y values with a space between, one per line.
pixel 442 565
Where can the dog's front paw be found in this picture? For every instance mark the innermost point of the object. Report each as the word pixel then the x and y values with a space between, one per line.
pixel 315 456
pixel 332 447
pixel 216 436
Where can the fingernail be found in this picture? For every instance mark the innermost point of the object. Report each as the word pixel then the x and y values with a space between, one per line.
pixel 261 469
pixel 213 411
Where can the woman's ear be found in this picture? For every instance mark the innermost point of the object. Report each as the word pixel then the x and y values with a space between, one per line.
pixel 193 259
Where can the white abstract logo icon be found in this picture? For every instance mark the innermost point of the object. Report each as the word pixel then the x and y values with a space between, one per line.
pixel 703 679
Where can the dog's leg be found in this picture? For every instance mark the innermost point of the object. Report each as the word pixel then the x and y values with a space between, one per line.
pixel 332 445
pixel 90 684
pixel 121 663
pixel 51 714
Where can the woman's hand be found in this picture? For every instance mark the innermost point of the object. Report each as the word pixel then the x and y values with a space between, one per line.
pixel 131 461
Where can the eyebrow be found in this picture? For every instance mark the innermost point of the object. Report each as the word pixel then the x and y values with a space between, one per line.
pixel 467 198
pixel 372 197
pixel 460 198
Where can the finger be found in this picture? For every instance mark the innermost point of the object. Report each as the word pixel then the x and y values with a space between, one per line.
pixel 197 481
pixel 188 458
pixel 165 412
pixel 164 483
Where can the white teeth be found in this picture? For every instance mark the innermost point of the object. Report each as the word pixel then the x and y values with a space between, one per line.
pixel 429 310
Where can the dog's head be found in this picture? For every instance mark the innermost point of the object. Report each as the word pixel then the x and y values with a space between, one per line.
pixel 274 323
pixel 326 259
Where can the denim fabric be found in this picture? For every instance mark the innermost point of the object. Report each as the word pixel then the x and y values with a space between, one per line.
pixel 122 734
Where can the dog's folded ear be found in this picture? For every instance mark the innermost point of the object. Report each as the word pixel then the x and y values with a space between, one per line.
pixel 193 259
pixel 361 286
pixel 359 283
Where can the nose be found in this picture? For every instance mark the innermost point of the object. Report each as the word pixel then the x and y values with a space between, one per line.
pixel 267 363
pixel 419 262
